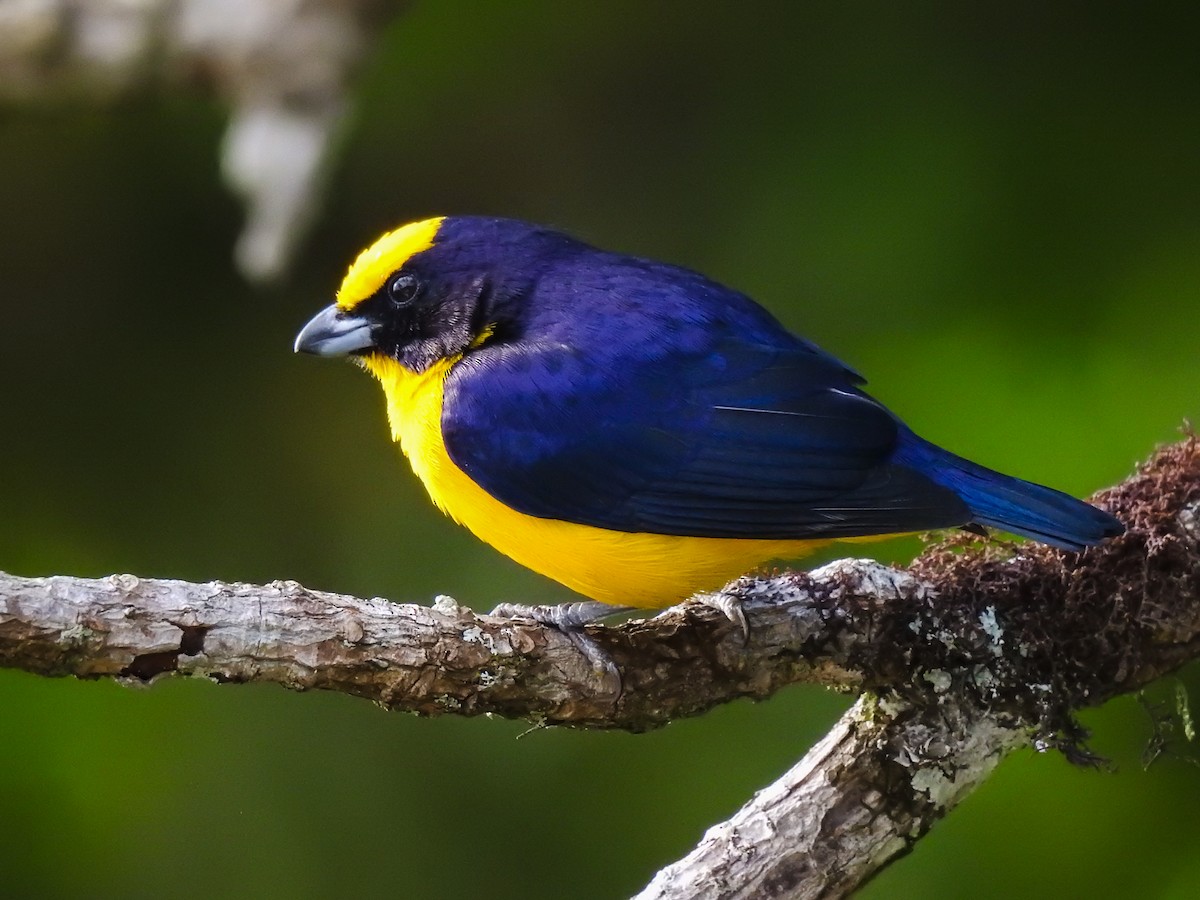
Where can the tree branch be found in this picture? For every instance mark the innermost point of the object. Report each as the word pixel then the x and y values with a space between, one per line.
pixel 859 799
pixel 972 651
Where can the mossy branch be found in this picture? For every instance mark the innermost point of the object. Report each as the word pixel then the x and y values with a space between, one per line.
pixel 970 652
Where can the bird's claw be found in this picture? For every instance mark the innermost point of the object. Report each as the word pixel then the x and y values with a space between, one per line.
pixel 730 607
pixel 563 616
pixel 569 619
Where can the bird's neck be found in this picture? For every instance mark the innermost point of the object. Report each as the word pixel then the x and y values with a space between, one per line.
pixel 414 399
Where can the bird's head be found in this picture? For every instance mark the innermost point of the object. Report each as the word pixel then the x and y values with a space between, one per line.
pixel 432 290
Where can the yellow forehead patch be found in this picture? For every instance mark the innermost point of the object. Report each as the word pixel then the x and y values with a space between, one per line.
pixel 372 267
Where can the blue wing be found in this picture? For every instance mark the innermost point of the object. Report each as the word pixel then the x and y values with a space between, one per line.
pixel 698 432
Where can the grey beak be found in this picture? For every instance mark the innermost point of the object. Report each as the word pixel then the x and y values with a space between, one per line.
pixel 333 332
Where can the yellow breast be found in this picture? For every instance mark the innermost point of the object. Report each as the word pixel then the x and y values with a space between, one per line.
pixel 628 569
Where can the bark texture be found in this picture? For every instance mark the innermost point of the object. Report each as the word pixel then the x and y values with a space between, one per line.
pixel 973 650
pixel 860 798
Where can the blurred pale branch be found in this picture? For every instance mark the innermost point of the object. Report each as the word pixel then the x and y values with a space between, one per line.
pixel 283 66
pixel 970 653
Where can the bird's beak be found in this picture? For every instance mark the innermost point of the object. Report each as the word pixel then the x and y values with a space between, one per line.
pixel 334 332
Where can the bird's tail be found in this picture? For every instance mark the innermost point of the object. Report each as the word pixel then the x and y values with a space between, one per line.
pixel 1008 503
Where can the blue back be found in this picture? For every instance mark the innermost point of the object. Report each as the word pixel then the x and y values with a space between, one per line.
pixel 634 395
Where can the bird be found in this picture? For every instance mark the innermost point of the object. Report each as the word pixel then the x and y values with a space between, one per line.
pixel 635 430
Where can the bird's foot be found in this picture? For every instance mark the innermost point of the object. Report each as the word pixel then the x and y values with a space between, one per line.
pixel 730 607
pixel 569 618
pixel 563 616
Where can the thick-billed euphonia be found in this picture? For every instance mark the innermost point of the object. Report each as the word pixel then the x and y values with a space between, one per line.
pixel 633 429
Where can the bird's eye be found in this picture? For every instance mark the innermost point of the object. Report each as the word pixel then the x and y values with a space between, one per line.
pixel 403 289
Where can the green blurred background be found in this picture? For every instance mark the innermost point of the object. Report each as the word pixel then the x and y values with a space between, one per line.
pixel 994 214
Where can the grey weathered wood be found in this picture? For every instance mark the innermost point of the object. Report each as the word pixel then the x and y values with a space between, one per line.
pixel 970 652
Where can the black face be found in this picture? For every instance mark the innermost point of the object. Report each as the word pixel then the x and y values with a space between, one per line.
pixel 419 321
pixel 413 318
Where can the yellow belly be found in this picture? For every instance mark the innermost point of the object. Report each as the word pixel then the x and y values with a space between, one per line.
pixel 626 569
